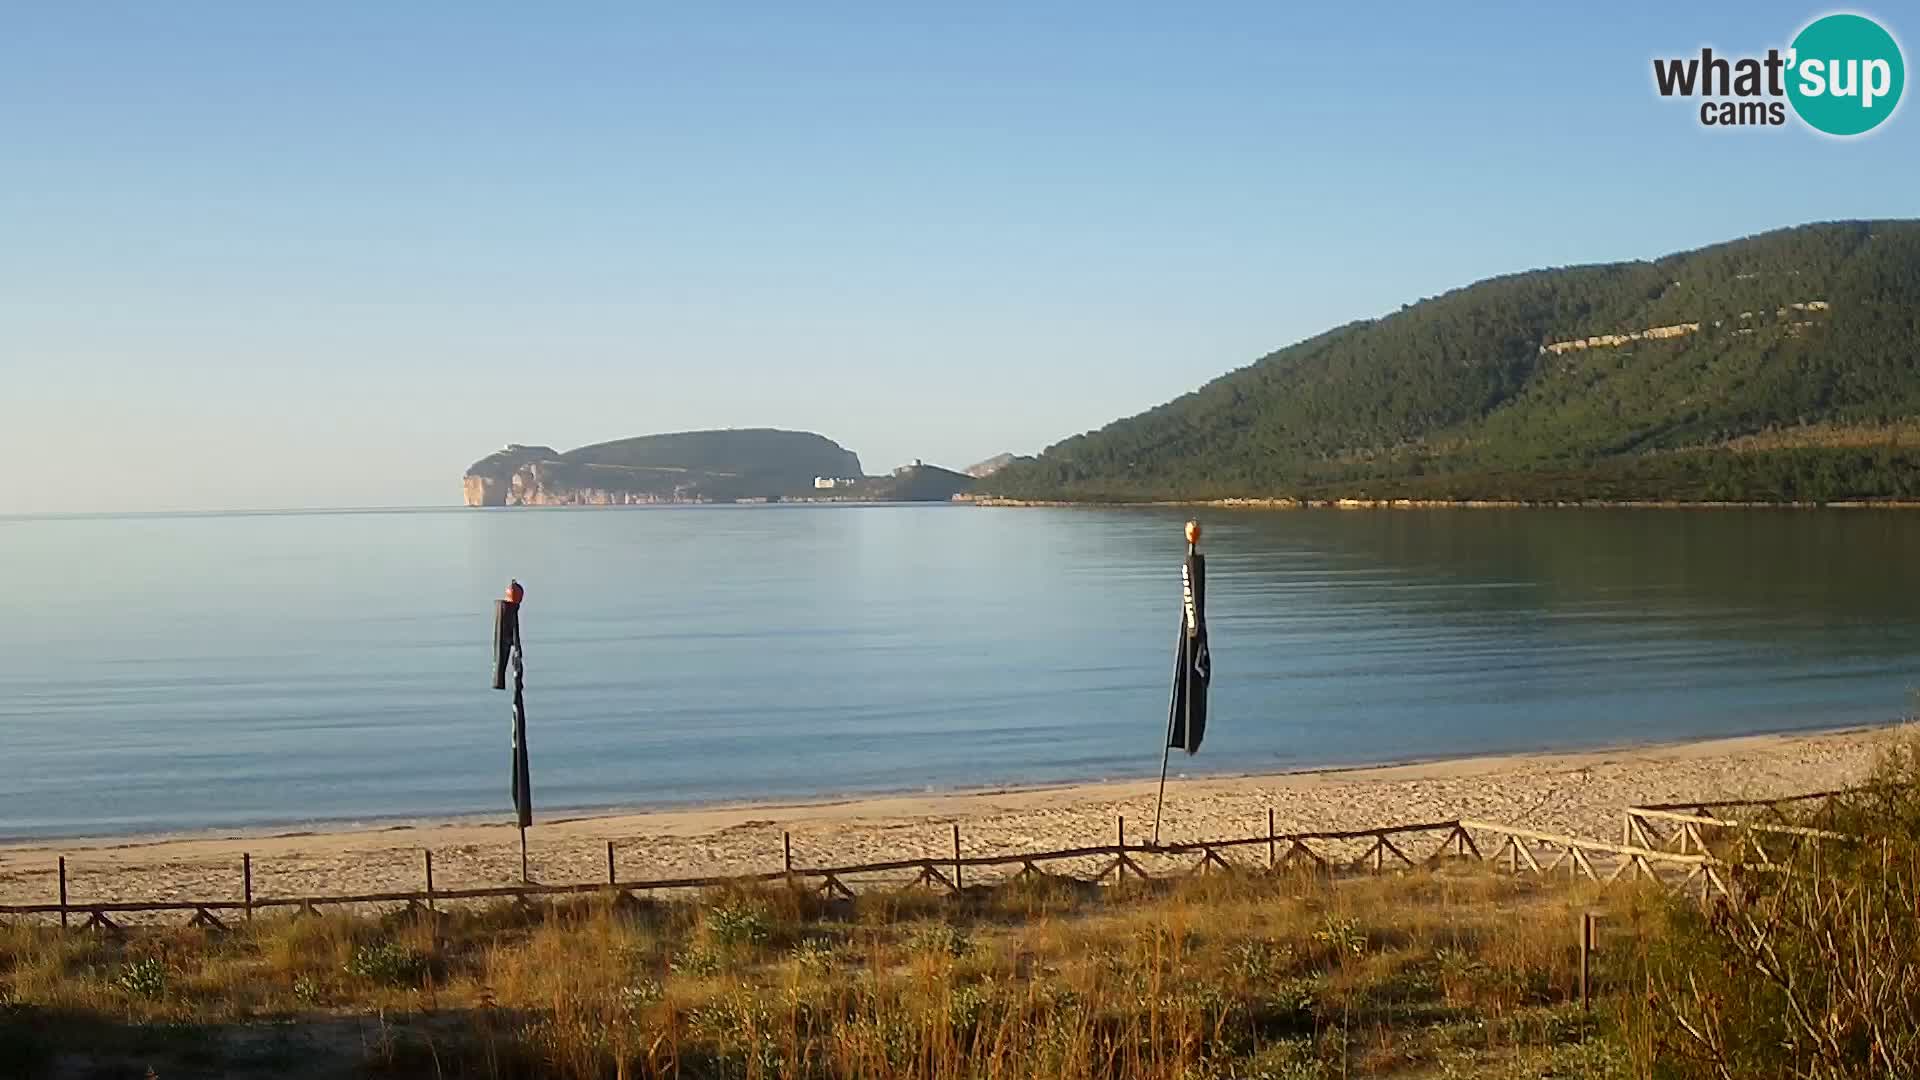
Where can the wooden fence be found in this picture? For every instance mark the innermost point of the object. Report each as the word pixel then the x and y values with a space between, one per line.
pixel 1747 842
pixel 1324 852
pixel 1120 859
pixel 1685 872
pixel 1822 805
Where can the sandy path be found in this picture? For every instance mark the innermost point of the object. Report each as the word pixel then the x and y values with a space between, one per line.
pixel 1579 793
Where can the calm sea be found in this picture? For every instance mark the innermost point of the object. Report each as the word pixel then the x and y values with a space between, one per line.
pixel 173 672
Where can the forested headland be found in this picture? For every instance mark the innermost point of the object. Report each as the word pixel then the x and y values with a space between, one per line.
pixel 1783 367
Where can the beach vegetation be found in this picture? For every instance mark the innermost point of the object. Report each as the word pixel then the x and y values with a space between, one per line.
pixel 1453 970
pixel 1239 974
pixel 1816 975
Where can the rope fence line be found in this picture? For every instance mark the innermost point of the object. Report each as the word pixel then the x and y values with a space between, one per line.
pixel 1327 852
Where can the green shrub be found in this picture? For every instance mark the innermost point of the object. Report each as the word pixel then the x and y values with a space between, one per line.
pixel 1259 961
pixel 696 960
pixel 1342 937
pixel 738 922
pixel 814 954
pixel 144 978
pixel 387 963
pixel 940 939
pixel 308 990
pixel 638 995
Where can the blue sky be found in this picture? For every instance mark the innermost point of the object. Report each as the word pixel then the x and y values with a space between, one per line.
pixel 254 257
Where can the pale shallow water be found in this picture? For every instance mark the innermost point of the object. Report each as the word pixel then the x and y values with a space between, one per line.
pixel 188 671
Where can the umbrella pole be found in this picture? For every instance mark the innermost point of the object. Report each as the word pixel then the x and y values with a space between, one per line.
pixel 523 855
pixel 1165 752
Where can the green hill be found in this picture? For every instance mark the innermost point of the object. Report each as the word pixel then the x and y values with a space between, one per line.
pixel 915 483
pixel 1784 366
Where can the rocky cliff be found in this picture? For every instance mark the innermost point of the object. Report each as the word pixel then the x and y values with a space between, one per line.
pixel 687 466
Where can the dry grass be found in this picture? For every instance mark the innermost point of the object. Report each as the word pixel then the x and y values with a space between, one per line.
pixel 1815 974
pixel 1452 972
pixel 1427 974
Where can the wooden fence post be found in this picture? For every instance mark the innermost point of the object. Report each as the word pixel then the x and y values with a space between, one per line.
pixel 63 892
pixel 246 882
pixel 786 848
pixel 428 852
pixel 956 857
pixel 611 879
pixel 1270 855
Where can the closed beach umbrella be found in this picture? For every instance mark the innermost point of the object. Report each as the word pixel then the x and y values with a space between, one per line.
pixel 1192 667
pixel 507 654
pixel 1192 662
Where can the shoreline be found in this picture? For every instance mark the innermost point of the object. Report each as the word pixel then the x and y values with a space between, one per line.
pixel 967 499
pixel 378 824
pixel 1280 503
pixel 1579 792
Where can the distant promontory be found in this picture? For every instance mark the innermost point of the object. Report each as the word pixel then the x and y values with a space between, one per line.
pixel 732 465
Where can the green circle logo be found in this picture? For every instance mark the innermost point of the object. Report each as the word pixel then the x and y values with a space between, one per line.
pixel 1845 74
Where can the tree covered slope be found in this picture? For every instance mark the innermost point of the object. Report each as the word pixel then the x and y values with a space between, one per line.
pixel 1784 366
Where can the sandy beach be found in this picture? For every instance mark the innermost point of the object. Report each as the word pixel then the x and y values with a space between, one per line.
pixel 1579 793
